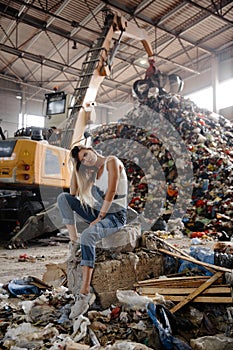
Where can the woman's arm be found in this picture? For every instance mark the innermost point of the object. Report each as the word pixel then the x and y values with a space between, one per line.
pixel 73 183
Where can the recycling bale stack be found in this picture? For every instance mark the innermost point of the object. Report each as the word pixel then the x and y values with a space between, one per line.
pixel 179 162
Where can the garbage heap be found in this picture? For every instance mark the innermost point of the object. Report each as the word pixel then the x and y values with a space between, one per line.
pixel 39 319
pixel 179 162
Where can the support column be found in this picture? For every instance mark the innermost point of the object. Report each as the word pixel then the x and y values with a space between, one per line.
pixel 215 82
pixel 22 110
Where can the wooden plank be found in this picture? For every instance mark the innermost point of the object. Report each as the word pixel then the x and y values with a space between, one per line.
pixel 183 284
pixel 195 261
pixel 200 299
pixel 172 279
pixel 198 291
pixel 182 291
pixel 182 253
pixel 177 283
pixel 171 246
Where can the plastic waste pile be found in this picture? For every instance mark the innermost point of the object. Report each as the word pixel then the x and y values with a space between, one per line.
pixel 179 162
pixel 34 314
pixel 135 323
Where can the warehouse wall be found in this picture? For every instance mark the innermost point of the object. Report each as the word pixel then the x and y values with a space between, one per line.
pixel 215 78
pixel 9 107
pixel 198 82
pixel 114 112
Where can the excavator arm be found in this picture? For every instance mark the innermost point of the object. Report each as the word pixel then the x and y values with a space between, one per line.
pixel 96 66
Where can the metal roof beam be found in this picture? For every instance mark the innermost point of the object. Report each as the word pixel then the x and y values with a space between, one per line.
pixel 42 25
pixel 215 8
pixel 157 24
pixel 54 15
pixel 74 31
pixel 26 45
pixel 142 6
pixel 11 27
pixel 39 59
pixel 171 13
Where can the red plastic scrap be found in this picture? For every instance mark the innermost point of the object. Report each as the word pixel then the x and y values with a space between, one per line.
pixel 23 257
pixel 115 313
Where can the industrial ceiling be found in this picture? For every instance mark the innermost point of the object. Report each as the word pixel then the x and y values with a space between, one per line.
pixel 43 43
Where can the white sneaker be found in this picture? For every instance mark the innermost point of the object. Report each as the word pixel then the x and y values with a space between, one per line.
pixel 81 305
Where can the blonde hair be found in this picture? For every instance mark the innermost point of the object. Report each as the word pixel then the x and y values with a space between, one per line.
pixel 85 176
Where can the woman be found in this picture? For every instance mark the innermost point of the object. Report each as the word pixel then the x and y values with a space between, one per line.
pixel 98 194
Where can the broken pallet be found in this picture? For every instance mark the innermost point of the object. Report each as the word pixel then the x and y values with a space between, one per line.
pixel 201 289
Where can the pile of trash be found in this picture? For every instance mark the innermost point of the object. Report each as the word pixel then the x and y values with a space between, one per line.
pixel 137 323
pixel 179 162
pixel 34 314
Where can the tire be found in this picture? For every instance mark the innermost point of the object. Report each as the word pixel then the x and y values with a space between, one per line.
pixel 28 209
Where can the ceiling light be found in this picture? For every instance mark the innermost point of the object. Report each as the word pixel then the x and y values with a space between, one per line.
pixel 143 61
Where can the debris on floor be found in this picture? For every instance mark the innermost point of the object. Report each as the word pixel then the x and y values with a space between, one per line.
pixel 143 316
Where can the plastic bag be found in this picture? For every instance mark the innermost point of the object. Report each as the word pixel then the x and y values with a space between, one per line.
pixel 133 299
pixel 159 317
pixel 127 345
pixel 81 323
pixel 22 286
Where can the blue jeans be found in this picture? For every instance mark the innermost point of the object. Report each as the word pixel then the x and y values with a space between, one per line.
pixel 110 224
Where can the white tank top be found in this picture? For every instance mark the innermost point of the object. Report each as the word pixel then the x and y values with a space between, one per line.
pixel 121 195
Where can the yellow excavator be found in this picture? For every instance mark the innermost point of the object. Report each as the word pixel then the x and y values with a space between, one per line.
pixel 33 170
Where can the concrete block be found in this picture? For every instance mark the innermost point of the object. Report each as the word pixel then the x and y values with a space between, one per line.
pixel 112 275
pixel 125 240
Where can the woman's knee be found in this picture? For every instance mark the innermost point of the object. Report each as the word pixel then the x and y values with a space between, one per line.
pixel 88 237
pixel 62 197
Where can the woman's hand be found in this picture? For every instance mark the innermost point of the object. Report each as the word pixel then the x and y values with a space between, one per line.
pixel 99 218
pixel 95 221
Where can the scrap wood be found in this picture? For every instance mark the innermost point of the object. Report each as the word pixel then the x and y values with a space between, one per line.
pixel 198 291
pixel 226 289
pixel 220 299
pixel 195 261
pixel 194 281
pixel 182 253
pixel 172 246
pixel 198 299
